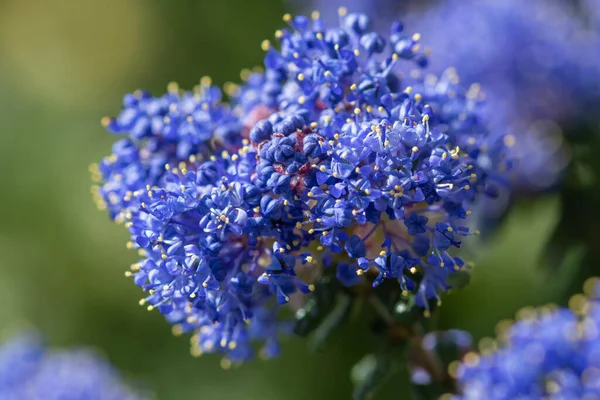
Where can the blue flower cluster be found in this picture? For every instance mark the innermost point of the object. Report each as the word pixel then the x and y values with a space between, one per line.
pixel 551 353
pixel 329 158
pixel 29 371
pixel 536 59
pixel 538 62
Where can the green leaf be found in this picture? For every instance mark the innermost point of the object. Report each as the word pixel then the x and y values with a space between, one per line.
pixel 369 373
pixel 317 307
pixel 335 318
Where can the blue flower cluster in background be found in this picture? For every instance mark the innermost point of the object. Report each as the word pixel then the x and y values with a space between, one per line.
pixel 336 156
pixel 30 371
pixel 537 60
pixel 550 353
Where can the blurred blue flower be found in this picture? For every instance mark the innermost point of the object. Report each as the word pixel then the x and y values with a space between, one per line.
pixel 537 61
pixel 30 371
pixel 551 353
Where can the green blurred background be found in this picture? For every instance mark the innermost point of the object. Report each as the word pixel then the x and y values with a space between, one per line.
pixel 66 63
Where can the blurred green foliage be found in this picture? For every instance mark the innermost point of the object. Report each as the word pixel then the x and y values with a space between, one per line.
pixel 64 64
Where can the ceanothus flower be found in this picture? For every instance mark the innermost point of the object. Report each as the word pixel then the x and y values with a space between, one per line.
pixel 160 130
pixel 551 353
pixel 326 159
pixel 537 61
pixel 30 371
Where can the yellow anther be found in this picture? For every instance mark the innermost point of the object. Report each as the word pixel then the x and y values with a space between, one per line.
pixel 300 76
pixel 278 34
pixel 105 121
pixel 425 117
pixel 301 100
pixel 394 57
pixel 163 256
pixel 382 253
pixel 471 359
pixel 128 274
pixel 325 233
pixel 315 15
pixel 342 11
pixel 416 37
pixel 287 17
pixel 386 143
pixel 311 231
pixel 418 97
pixel 310 194
pixel 319 36
pixel 150 308
pixel 311 287
pixel 265 45
pixel 509 140
pixel 225 363
pixel 359 272
pixel 309 259
pixel 408 90
pixel 469 212
pixel 206 80
pixel 357 111
pixel 353 86
pixel 356 52
pixel 233 157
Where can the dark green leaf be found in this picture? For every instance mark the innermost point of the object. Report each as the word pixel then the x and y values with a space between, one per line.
pixel 337 316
